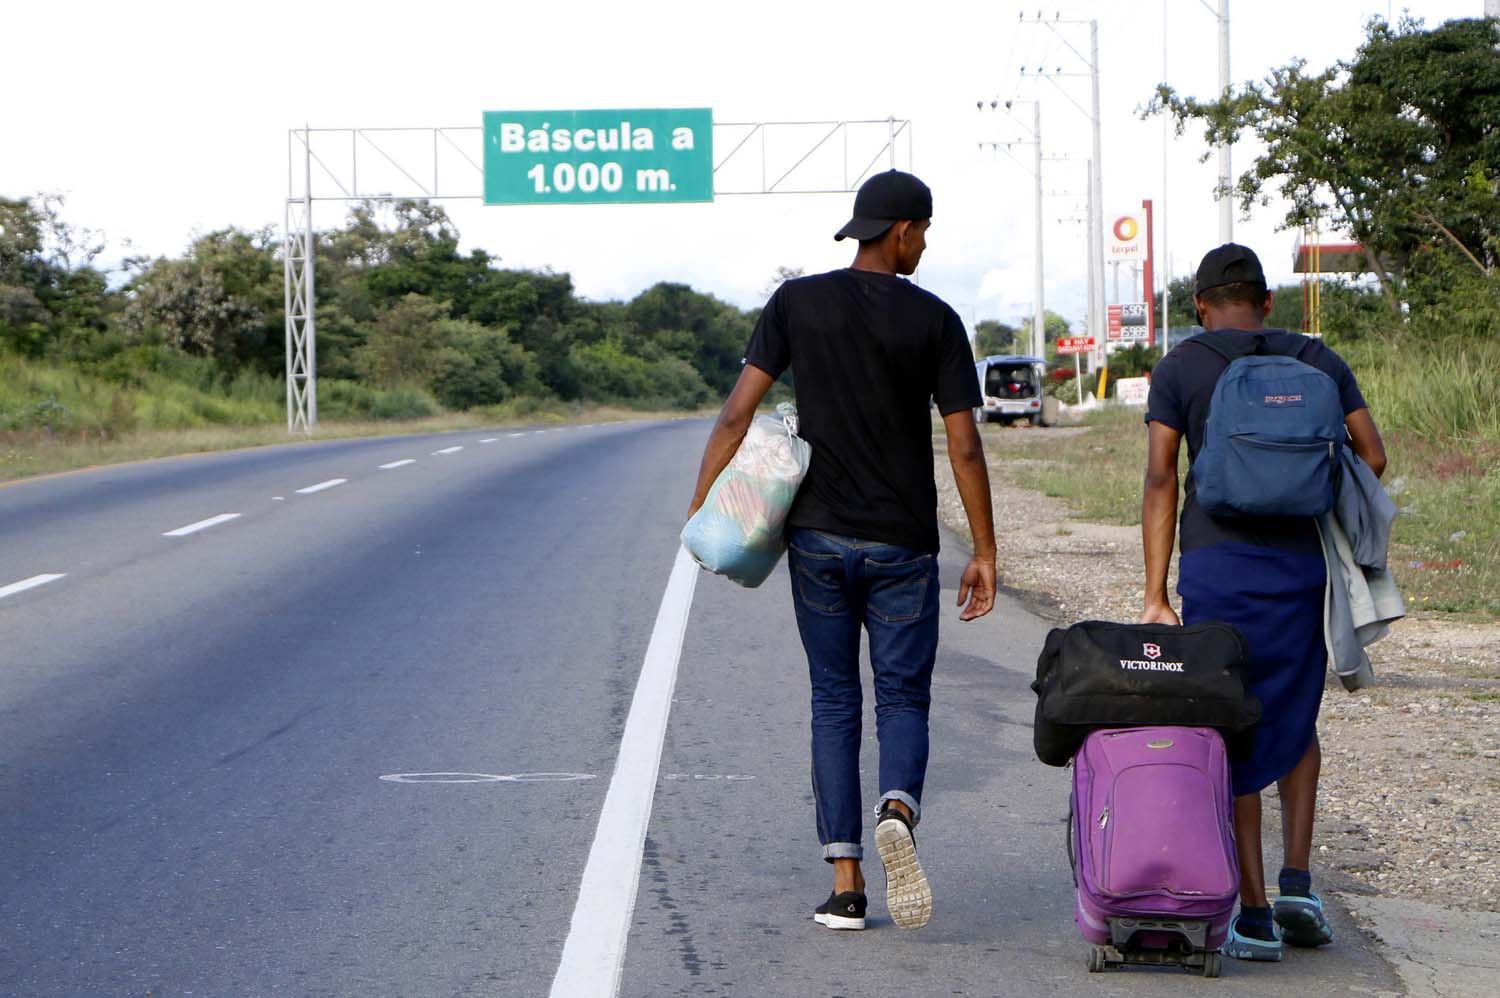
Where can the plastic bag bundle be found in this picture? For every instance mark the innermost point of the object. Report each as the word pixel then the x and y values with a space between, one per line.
pixel 739 530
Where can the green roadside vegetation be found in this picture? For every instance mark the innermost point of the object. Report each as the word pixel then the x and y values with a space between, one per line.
pixel 82 420
pixel 175 354
pixel 1392 147
pixel 1445 546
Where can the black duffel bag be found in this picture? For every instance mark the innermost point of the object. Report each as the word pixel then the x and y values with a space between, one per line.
pixel 1098 674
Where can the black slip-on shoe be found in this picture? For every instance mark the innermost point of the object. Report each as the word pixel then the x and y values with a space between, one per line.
pixel 842 911
pixel 908 896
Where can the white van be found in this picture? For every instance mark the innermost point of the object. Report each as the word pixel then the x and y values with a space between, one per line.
pixel 1011 388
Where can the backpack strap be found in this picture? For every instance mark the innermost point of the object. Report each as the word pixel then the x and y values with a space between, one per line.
pixel 1232 347
pixel 1292 347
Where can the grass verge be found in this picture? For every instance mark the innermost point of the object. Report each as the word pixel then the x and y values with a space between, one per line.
pixel 1445 546
pixel 57 418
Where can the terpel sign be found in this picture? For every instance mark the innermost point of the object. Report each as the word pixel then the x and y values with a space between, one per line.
pixel 1126 239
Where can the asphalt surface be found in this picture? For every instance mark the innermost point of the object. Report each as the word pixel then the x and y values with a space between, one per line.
pixel 194 731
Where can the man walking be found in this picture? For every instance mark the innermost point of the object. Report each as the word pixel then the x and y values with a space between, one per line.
pixel 1264 575
pixel 869 353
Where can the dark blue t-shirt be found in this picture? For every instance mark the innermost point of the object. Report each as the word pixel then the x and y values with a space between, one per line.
pixel 1182 384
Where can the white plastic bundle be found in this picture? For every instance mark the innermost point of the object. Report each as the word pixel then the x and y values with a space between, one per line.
pixel 739 530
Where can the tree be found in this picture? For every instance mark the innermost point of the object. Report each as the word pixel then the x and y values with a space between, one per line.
pixel 381 233
pixel 1396 146
pixel 1132 361
pixel 51 295
pixel 782 275
pixel 1054 326
pixel 993 337
pixel 222 300
pixel 404 346
pixel 1181 312
pixel 707 333
pixel 1287 309
pixel 479 365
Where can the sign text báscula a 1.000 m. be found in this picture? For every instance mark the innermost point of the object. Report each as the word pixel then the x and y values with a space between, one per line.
pixel 575 157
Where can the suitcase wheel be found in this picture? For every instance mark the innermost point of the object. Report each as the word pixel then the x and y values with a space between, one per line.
pixel 1096 959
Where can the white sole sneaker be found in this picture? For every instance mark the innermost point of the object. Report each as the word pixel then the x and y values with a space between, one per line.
pixel 907 893
pixel 839 921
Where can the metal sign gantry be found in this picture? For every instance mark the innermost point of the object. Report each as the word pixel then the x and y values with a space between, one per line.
pixel 444 163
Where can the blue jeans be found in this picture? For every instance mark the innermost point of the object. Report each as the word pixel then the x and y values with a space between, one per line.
pixel 840 584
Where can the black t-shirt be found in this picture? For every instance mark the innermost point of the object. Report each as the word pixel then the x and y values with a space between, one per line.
pixel 1182 384
pixel 869 353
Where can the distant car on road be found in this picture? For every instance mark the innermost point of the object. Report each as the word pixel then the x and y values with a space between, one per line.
pixel 1011 386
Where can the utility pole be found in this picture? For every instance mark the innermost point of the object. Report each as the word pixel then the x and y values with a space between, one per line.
pixel 1096 275
pixel 1097 187
pixel 1096 183
pixel 1166 145
pixel 1226 200
pixel 1038 312
pixel 1038 340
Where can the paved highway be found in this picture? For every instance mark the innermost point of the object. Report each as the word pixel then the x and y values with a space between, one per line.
pixel 237 692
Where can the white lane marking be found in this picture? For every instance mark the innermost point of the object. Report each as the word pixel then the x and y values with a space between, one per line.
pixel 31 583
pixel 489 440
pixel 514 435
pixel 398 464
pixel 593 956
pixel 486 777
pixel 332 483
pixel 193 528
pixel 448 450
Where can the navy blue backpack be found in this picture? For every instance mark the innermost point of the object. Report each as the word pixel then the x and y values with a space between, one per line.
pixel 1275 426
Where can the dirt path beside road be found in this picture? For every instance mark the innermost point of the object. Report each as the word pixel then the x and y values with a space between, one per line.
pixel 1409 805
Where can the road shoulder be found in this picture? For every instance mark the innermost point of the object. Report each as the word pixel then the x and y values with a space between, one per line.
pixel 1408 791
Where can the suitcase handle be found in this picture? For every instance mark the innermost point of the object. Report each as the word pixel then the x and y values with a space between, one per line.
pixel 1072 860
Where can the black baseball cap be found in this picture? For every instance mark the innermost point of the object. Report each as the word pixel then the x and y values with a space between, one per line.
pixel 884 200
pixel 1229 264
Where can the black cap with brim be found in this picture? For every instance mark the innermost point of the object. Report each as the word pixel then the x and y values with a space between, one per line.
pixel 864 228
pixel 1228 264
pixel 884 200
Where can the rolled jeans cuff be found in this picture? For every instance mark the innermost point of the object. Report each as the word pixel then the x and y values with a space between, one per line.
pixel 843 850
pixel 905 798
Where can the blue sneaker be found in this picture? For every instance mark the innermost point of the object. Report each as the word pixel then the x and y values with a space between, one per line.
pixel 1243 947
pixel 1301 920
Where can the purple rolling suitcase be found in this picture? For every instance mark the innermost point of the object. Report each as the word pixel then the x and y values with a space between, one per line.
pixel 1152 846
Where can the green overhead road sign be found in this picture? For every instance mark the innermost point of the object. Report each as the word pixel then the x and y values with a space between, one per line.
pixel 598 157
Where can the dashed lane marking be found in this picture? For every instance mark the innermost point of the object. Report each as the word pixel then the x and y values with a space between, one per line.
pixel 448 450
pixel 398 464
pixel 593 956
pixel 31 583
pixel 514 435
pixel 193 528
pixel 332 483
pixel 489 440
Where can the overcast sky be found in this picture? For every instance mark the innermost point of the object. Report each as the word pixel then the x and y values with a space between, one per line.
pixel 160 120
